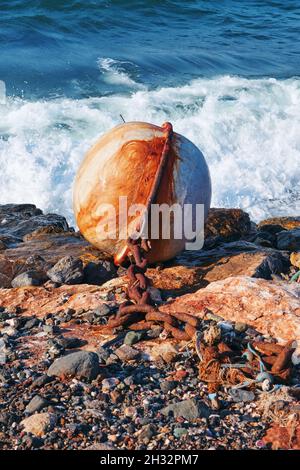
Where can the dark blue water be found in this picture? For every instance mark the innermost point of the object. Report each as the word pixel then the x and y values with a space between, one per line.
pixel 50 47
pixel 226 73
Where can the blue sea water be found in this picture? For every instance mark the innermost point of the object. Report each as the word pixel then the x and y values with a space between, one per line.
pixel 225 72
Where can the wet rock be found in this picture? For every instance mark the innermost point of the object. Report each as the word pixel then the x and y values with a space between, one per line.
pixel 256 302
pixel 39 424
pixel 241 395
pixel 188 409
pixel 133 337
pixel 99 272
pixel 289 240
pixel 126 353
pixel 68 270
pixel 29 278
pixel 37 403
pixel 288 223
pixel 80 364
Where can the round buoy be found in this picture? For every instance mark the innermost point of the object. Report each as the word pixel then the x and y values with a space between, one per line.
pixel 119 173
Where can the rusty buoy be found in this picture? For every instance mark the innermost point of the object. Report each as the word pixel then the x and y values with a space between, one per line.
pixel 125 162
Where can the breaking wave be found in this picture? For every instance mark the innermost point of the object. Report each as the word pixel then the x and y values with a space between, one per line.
pixel 248 130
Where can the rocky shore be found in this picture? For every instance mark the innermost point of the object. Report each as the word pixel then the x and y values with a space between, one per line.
pixel 66 384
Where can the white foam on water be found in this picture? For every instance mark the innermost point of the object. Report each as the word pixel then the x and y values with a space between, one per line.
pixel 115 72
pixel 248 130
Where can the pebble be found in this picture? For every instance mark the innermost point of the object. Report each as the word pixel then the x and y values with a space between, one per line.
pixel 240 395
pixel 168 385
pixel 37 403
pixel 133 337
pixel 127 353
pixel 39 424
pixel 81 364
pixel 190 409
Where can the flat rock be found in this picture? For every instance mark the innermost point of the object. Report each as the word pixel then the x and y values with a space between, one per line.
pixel 81 364
pixel 272 308
pixel 29 278
pixel 39 424
pixel 67 270
pixel 217 264
pixel 188 409
pixel 288 223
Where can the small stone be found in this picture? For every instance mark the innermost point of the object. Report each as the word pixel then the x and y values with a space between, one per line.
pixel 168 385
pixel 39 424
pixel 31 323
pixel 147 432
pixel 29 278
pixel 166 351
pixel 133 337
pixel 110 383
pixel 37 403
pixel 69 342
pixel 82 364
pixel 180 432
pixel 154 332
pixel 126 353
pixel 130 411
pixel 41 381
pixel 188 409
pixel 68 270
pixel 239 395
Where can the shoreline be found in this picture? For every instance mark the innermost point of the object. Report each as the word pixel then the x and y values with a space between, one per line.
pixel 143 389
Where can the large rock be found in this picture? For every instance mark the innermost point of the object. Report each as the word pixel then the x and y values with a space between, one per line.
pixel 288 223
pixel 227 224
pixel 270 307
pixel 68 270
pixel 39 424
pixel 18 220
pixel 81 364
pixel 289 240
pixel 197 269
pixel 99 271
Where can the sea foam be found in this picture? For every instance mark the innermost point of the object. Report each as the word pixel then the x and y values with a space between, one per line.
pixel 248 130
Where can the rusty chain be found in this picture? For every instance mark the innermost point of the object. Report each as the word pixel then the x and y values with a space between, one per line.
pixel 139 312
